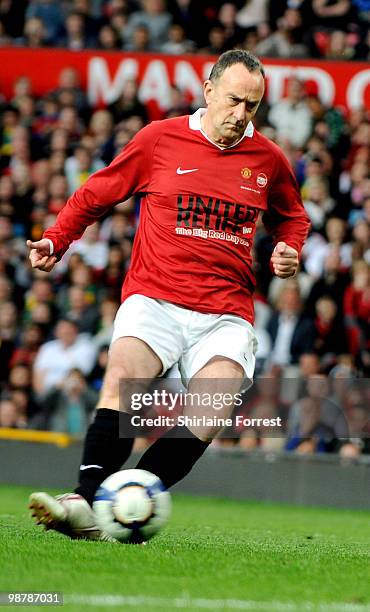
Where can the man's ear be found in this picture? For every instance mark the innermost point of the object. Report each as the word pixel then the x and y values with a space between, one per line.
pixel 208 90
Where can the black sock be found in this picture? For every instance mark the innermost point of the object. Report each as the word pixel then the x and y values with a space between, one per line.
pixel 105 451
pixel 172 456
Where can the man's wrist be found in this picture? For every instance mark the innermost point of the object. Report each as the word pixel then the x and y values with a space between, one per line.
pixel 51 246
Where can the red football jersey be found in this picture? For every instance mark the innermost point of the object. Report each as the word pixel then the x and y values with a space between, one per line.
pixel 198 212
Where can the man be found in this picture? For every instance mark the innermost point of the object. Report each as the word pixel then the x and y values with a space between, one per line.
pixel 291 332
pixel 56 358
pixel 187 297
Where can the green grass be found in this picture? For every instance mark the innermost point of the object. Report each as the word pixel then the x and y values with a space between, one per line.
pixel 268 557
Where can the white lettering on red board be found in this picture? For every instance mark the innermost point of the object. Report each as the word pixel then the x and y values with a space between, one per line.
pixel 355 96
pixel 155 83
pixel 100 86
pixel 278 75
pixel 187 79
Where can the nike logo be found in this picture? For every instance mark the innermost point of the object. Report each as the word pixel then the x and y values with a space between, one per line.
pixel 87 467
pixel 179 171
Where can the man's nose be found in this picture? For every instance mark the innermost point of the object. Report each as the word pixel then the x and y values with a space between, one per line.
pixel 240 112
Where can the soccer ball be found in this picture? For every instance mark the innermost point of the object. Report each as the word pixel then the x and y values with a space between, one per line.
pixel 132 506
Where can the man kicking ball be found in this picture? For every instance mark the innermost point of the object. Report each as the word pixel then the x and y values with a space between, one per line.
pixel 187 298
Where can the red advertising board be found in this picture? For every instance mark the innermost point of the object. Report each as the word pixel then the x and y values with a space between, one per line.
pixel 103 74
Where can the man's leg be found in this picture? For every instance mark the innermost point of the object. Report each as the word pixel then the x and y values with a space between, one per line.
pixel 105 450
pixel 172 457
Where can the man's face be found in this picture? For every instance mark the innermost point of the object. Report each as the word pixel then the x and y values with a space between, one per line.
pixel 232 101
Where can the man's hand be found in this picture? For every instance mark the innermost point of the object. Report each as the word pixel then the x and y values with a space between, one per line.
pixel 284 260
pixel 40 257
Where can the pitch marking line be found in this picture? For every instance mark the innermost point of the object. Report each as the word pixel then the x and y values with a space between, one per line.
pixel 211 604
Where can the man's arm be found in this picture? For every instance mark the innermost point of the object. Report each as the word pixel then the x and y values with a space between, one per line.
pixel 129 173
pixel 286 220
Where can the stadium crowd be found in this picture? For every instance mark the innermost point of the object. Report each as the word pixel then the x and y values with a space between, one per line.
pixel 313 330
pixel 334 29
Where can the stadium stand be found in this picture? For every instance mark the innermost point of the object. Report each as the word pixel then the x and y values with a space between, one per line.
pixel 313 329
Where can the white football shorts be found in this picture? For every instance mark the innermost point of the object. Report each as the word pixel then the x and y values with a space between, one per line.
pixel 183 336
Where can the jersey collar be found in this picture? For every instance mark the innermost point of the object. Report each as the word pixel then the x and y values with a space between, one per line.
pixel 194 124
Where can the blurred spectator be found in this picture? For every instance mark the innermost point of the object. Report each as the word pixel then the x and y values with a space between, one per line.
pixel 8 322
pixel 361 241
pixel 70 121
pixel 40 292
pixel 287 40
pixel 253 13
pixel 10 415
pixel 20 378
pixel 97 373
pixel 112 275
pixel 317 249
pixel 34 34
pixel 5 289
pixel 67 407
pixel 178 104
pixel 266 405
pixel 310 434
pixel 101 128
pixel 57 193
pixel 177 43
pixel 93 250
pixel 22 87
pixel 140 40
pixel 217 41
pixel 339 47
pixel 109 39
pixel 309 365
pixel 58 357
pixel 81 311
pixel 69 92
pixel 154 18
pixel 291 332
pixel 328 343
pixel 50 14
pixel 333 14
pixel 108 310
pixel 333 282
pixel 315 422
pixel 10 120
pixel 291 117
pixel 5 40
pixel 318 203
pixel 30 341
pixel 92 17
pixel 357 314
pixel 76 37
pixel 227 18
pixel 79 167
pixel 128 103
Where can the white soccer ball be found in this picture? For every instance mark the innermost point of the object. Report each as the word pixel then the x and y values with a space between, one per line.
pixel 132 505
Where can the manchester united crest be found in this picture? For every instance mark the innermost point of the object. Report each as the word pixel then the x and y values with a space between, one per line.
pixel 246 173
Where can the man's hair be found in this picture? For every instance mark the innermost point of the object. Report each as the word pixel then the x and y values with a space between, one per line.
pixel 236 56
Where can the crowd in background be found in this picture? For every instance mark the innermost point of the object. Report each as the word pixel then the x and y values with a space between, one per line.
pixel 55 329
pixel 334 29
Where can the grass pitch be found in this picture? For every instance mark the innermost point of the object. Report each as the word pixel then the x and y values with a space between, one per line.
pixel 216 554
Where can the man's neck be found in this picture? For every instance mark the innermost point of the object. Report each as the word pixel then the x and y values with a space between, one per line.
pixel 218 140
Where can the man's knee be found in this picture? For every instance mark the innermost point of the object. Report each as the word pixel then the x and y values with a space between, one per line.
pixel 114 378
